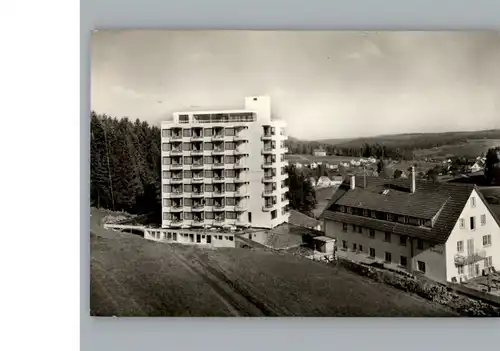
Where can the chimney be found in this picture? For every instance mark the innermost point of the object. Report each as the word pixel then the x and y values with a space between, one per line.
pixel 353 182
pixel 413 180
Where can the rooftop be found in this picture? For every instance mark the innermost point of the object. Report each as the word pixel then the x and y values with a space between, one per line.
pixel 324 238
pixel 444 201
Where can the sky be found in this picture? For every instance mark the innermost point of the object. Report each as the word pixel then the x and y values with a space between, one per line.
pixel 331 84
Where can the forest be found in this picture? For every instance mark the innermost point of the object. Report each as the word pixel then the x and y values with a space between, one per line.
pixel 397 147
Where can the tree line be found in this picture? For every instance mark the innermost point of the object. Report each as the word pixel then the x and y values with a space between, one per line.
pixel 397 147
pixel 125 166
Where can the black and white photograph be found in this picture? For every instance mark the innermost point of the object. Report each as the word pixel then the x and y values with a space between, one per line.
pixel 245 173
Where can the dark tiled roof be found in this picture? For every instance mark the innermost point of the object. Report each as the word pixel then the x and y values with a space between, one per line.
pixel 300 219
pixel 428 199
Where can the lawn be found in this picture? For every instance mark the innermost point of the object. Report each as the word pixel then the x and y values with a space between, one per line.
pixel 134 277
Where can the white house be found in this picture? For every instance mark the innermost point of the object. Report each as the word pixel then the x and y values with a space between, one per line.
pixel 312 181
pixel 445 231
pixel 334 166
pixel 476 167
pixel 298 165
pixel 324 182
pixel 345 164
pixel 313 165
pixel 355 163
pixel 320 152
pixel 337 180
pixel 372 159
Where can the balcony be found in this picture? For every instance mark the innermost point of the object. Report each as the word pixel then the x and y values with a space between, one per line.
pixel 241 150
pixel 197 207
pixel 242 223
pixel 176 208
pixel 268 151
pixel 284 189
pixel 268 207
pixel 284 163
pixel 217 151
pixel 241 207
pixel 198 222
pixel 240 165
pixel 218 179
pixel 241 136
pixel 197 193
pixel 285 149
pixel 284 175
pixel 219 207
pixel 267 164
pixel 218 165
pixel 285 202
pixel 218 136
pixel 197 165
pixel 463 259
pixel 176 136
pixel 176 165
pixel 269 178
pixel 269 192
pixel 266 136
pixel 241 193
pixel 219 221
pixel 176 151
pixel 197 151
pixel 241 179
pixel 176 194
pixel 197 136
pixel 176 180
pixel 198 179
pixel 218 193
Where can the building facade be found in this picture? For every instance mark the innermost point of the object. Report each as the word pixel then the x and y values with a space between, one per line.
pixel 445 231
pixel 224 168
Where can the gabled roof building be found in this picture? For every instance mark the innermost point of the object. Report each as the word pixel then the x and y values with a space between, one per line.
pixel 445 231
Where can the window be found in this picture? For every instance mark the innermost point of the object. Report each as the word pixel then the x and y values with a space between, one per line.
pixel 166 216
pixel 209 215
pixel 460 246
pixel 487 240
pixel 230 187
pixel 354 228
pixel 188 160
pixel 209 174
pixel 209 188
pixel 354 247
pixel 473 202
pixel 387 237
pixel 402 240
pixel 421 266
pixel 229 145
pixel 460 269
pixel 420 244
pixel 403 261
pixel 166 160
pixel 188 188
pixel 230 173
pixel 361 248
pixel 166 147
pixel 388 257
pixel 372 252
pixel 274 214
pixel 166 174
pixel 360 230
pixel 390 217
pixel 183 118
pixel 167 188
pixel 188 202
pixel 231 215
pixel 186 146
pixel 229 131
pixel 472 223
pixel 344 227
pixel 230 201
pixel 208 146
pixel 208 132
pixel 462 223
pixel 186 132
pixel 228 159
pixel 188 215
pixel 188 174
pixel 165 133
pixel 372 233
pixel 167 202
pixel 488 262
pixel 344 244
pixel 365 213
pixel 483 219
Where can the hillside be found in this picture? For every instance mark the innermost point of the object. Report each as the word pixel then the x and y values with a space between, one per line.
pixel 134 277
pixel 415 138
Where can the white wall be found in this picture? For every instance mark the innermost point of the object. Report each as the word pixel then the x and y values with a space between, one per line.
pixel 186 237
pixel 433 257
pixel 466 233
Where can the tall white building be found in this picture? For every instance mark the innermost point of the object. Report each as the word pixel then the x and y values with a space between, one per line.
pixel 224 168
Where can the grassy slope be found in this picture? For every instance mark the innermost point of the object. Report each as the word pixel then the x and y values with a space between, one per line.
pixel 134 277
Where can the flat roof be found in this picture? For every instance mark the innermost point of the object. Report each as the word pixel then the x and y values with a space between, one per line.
pixel 324 238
